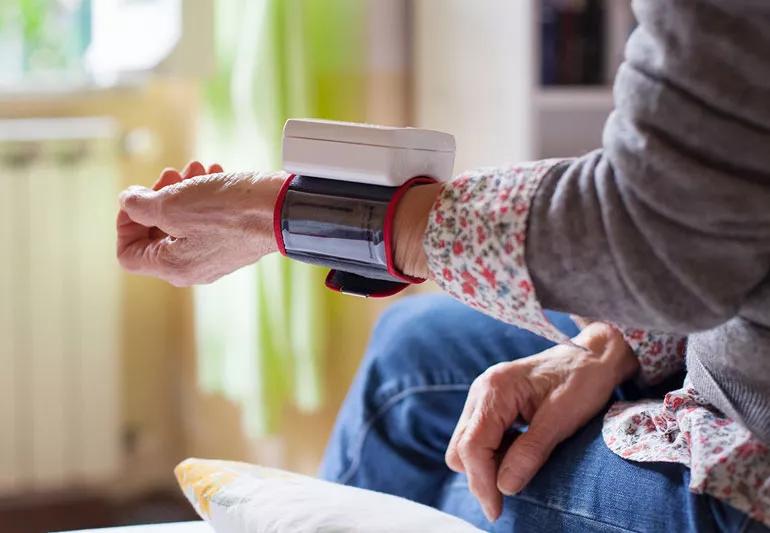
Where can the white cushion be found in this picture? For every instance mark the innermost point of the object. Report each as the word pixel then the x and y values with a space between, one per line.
pixel 242 498
pixel 175 527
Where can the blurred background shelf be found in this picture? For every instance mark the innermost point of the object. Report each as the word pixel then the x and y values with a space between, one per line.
pixel 502 111
pixel 572 98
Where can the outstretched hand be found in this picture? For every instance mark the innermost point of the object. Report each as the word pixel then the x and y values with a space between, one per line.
pixel 556 392
pixel 198 225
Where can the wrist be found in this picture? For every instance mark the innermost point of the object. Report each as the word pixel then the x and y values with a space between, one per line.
pixel 607 343
pixel 269 186
pixel 409 229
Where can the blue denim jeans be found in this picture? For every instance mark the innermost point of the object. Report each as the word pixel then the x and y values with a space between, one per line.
pixel 396 422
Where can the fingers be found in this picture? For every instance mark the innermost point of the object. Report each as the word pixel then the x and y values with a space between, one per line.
pixel 529 451
pixel 452 456
pixel 477 451
pixel 136 196
pixel 169 176
pixel 128 231
pixel 473 447
pixel 155 257
pixel 193 170
pixel 143 245
pixel 167 258
pixel 138 255
pixel 142 205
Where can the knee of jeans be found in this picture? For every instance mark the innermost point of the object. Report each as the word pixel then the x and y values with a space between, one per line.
pixel 407 337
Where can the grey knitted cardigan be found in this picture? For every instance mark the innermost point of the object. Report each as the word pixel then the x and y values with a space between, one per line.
pixel 668 226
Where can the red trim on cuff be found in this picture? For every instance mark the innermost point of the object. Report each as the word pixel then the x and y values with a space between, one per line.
pixel 277 214
pixel 390 216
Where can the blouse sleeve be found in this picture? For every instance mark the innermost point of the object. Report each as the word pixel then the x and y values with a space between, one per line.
pixel 660 354
pixel 475 244
pixel 475 239
pixel 667 227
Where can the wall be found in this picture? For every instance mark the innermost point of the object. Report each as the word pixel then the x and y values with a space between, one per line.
pixel 152 325
pixel 212 423
pixel 165 416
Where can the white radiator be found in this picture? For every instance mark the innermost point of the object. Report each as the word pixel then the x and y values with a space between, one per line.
pixel 59 303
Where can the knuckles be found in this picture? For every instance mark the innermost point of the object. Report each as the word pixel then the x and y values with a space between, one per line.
pixel 466 446
pixel 452 460
pixel 494 378
pixel 130 199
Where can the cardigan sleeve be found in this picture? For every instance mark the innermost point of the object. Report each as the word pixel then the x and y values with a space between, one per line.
pixel 475 244
pixel 667 227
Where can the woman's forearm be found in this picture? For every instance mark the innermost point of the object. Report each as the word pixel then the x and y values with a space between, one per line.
pixel 409 229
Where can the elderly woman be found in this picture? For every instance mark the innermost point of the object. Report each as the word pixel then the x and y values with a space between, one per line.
pixel 664 235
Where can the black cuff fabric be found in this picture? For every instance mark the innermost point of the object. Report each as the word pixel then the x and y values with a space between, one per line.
pixel 345 226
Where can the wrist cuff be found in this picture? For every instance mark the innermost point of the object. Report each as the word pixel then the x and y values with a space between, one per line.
pixel 346 226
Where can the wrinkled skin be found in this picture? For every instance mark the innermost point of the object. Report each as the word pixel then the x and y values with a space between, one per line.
pixel 556 392
pixel 196 226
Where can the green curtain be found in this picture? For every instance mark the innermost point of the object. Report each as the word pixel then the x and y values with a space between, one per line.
pixel 261 331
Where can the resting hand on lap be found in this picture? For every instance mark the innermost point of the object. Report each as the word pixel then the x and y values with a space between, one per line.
pixel 556 392
pixel 196 226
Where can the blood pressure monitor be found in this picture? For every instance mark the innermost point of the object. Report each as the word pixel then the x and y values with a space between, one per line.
pixel 337 207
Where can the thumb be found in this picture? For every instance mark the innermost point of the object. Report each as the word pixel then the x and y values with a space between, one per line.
pixel 526 456
pixel 142 205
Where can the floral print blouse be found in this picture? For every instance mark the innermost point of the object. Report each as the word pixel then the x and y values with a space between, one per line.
pixel 475 244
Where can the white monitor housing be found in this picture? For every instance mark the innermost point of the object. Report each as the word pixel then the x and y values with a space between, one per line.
pixel 364 153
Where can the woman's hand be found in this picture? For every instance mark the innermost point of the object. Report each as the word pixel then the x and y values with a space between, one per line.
pixel 197 226
pixel 556 392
